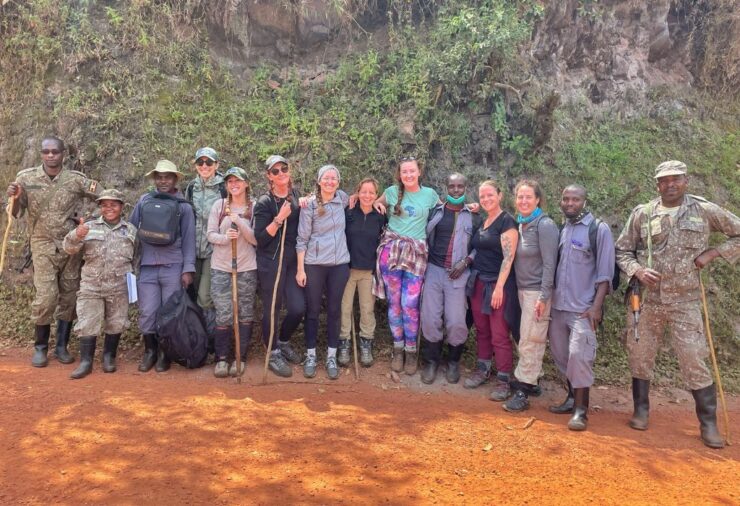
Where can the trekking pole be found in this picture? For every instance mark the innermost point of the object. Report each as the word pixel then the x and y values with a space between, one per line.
pixel 354 345
pixel 726 417
pixel 235 309
pixel 8 210
pixel 274 296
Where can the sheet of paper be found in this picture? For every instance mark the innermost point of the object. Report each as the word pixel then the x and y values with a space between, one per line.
pixel 133 295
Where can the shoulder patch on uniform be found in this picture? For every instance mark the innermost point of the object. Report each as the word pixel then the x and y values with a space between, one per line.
pixel 92 186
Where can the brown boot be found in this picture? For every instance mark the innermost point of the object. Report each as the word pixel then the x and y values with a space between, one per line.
pixel 397 360
pixel 410 362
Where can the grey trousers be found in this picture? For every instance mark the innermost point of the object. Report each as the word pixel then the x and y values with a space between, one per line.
pixel 155 285
pixel 573 346
pixel 441 300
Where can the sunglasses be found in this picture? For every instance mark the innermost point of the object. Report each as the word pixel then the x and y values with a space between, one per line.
pixel 200 163
pixel 275 171
pixel 50 151
pixel 407 159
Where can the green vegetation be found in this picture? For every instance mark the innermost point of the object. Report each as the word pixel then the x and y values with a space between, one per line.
pixel 134 81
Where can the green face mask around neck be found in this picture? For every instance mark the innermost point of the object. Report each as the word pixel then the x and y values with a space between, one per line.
pixel 456 201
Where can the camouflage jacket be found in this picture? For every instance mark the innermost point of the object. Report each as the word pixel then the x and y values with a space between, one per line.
pixel 203 197
pixel 53 205
pixel 676 245
pixel 108 253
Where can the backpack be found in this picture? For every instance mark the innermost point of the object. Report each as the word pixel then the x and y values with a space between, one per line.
pixel 159 222
pixel 191 186
pixel 181 331
pixel 593 229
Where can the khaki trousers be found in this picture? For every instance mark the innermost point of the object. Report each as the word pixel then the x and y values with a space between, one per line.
pixel 362 282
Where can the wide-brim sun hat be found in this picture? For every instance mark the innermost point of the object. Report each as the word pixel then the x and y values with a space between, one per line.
pixel 166 167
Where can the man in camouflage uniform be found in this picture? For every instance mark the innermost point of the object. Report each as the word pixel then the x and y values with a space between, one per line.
pixel 664 245
pixel 107 246
pixel 52 197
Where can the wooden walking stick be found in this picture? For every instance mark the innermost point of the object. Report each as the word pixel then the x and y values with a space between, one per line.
pixel 354 345
pixel 235 308
pixel 274 296
pixel 726 417
pixel 8 210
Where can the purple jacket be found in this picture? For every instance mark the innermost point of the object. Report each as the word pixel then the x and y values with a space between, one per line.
pixel 182 251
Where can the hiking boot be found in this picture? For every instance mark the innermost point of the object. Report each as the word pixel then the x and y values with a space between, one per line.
pixel 641 400
pixel 110 347
pixel 232 368
pixel 332 370
pixel 566 407
pixel 289 353
pixel 150 352
pixel 343 355
pixel 517 403
pixel 366 352
pixel 706 411
pixel 410 364
pixel 501 390
pixel 429 373
pixel 64 328
pixel 222 368
pixel 579 420
pixel 480 376
pixel 41 346
pixel 87 353
pixel 163 362
pixel 309 366
pixel 453 372
pixel 397 360
pixel 278 365
pixel 531 390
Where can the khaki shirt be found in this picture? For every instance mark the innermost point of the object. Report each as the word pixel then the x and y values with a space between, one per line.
pixel 53 204
pixel 675 244
pixel 107 251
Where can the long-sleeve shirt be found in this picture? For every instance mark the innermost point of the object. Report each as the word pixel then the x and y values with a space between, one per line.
pixel 246 254
pixel 265 210
pixel 578 272
pixel 204 194
pixel 461 238
pixel 182 251
pixel 322 236
pixel 537 256
pixel 363 236
pixel 676 242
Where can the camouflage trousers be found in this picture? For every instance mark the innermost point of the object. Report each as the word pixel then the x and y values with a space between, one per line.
pixel 686 329
pixel 56 278
pixel 95 310
pixel 246 287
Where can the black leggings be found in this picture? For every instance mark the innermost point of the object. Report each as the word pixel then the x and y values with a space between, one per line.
pixel 329 280
pixel 288 293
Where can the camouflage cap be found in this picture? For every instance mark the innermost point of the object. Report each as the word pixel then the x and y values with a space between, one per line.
pixel 236 172
pixel 111 194
pixel 208 153
pixel 272 160
pixel 165 166
pixel 670 168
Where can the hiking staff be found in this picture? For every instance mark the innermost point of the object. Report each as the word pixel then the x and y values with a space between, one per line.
pixel 9 210
pixel 235 308
pixel 354 347
pixel 274 296
pixel 714 362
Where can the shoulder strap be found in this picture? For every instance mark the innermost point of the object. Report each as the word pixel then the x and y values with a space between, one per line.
pixel 189 190
pixel 593 230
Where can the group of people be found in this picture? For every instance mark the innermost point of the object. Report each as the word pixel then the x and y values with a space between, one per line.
pixel 524 279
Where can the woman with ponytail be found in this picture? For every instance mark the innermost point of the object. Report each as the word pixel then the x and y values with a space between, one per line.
pixel 323 265
pixel 402 259
pixel 230 219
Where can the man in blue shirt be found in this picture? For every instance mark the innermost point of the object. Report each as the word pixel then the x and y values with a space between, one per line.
pixel 582 281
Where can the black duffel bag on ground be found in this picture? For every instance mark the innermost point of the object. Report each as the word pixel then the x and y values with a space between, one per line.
pixel 181 331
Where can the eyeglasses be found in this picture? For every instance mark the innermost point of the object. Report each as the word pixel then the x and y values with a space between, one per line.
pixel 275 171
pixel 50 151
pixel 200 163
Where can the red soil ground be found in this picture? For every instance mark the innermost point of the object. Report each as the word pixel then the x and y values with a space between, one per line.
pixel 184 437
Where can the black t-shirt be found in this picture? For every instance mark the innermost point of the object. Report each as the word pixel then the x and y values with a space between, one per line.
pixel 487 244
pixel 442 237
pixel 363 236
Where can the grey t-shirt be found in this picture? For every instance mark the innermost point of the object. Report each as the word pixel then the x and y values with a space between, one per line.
pixel 537 256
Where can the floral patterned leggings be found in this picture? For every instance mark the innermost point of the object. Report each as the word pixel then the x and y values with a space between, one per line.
pixel 403 292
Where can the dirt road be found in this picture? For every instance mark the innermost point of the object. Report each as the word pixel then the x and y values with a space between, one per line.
pixel 184 437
